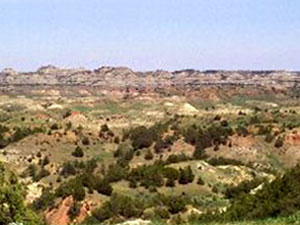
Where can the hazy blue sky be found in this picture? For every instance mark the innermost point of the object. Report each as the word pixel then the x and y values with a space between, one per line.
pixel 151 34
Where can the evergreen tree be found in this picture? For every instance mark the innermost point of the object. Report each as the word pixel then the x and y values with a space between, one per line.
pixel 78 152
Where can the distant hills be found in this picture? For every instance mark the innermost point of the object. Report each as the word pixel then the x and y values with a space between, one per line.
pixel 120 77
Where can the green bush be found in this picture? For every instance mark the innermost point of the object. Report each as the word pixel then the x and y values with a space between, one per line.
pixel 170 182
pixel 78 152
pixel 46 161
pixel 213 135
pixel 176 158
pixel 119 206
pixel 124 152
pixel 12 197
pixel 103 187
pixel 186 175
pixel 45 201
pixel 88 180
pixel 162 213
pixel 68 169
pixel 220 161
pixel 278 198
pixel 116 173
pixel 176 204
pixel 171 173
pixel 142 137
pixel 200 181
pixel 72 187
pixel 21 133
pixel 148 175
pixel 243 188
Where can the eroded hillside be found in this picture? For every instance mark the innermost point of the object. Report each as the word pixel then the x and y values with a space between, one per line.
pixel 111 145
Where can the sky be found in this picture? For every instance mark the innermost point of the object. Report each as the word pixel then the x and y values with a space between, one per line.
pixel 150 34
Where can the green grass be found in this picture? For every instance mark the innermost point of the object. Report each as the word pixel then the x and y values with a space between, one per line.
pixel 81 108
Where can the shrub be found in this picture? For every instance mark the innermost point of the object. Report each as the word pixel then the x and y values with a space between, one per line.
pixel 68 169
pixel 171 173
pixel 42 174
pixel 162 213
pixel 199 153
pixel 85 141
pixel 242 131
pixel 104 128
pixel 46 161
pixel 269 138
pixel 148 175
pixel 3 142
pixel 278 198
pixel 176 204
pixel 264 130
pixel 45 201
pixel 160 145
pixel 90 166
pixel 220 161
pixel 174 158
pixel 170 182
pixel 152 189
pixel 132 183
pixel 215 189
pixel 243 188
pixel 103 187
pixel 54 126
pixel 186 175
pixel 21 133
pixel 69 125
pixel 254 120
pixel 119 206
pixel 72 187
pixel 279 142
pixel 78 152
pixel 12 200
pixel 74 210
pixel 124 152
pixel 117 140
pixel 116 173
pixel 31 170
pixel 200 181
pixel 141 137
pixel 103 213
pixel 66 113
pixel 149 155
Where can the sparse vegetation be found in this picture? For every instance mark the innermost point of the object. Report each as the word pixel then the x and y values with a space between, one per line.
pixel 152 160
